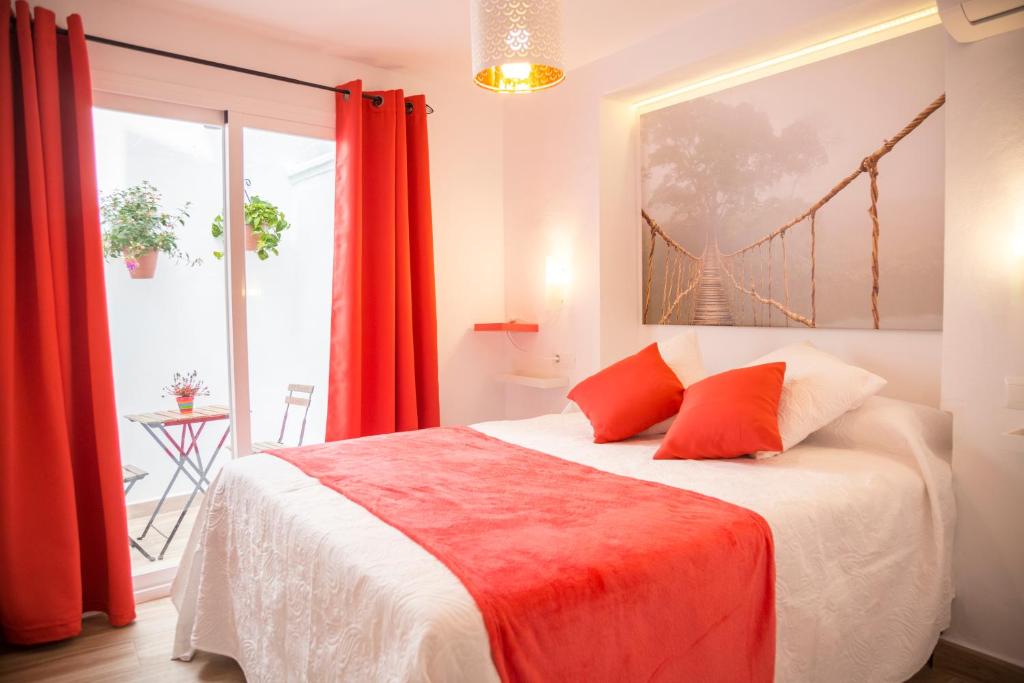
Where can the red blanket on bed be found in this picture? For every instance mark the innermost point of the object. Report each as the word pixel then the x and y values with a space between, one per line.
pixel 580 575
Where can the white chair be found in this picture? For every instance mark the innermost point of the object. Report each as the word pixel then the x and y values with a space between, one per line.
pixel 290 400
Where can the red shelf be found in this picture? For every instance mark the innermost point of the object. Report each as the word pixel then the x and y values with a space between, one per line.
pixel 506 327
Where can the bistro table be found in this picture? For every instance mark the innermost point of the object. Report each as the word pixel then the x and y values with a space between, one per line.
pixel 184 452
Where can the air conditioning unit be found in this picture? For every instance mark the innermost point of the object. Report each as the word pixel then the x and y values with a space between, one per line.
pixel 971 20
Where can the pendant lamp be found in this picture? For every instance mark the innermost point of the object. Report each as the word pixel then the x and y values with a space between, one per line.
pixel 517 44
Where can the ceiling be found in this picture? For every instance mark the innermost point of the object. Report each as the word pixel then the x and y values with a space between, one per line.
pixel 434 34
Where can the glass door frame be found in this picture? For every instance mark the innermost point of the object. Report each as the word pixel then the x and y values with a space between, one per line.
pixel 233 124
pixel 234 183
pixel 146 96
pixel 151 583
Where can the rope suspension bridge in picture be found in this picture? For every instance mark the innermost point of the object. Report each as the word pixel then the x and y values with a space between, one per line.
pixel 714 288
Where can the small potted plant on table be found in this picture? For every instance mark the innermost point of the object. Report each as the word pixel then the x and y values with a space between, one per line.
pixel 137 230
pixel 185 388
pixel 264 224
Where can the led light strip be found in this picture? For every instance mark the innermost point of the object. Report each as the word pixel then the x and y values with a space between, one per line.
pixel 790 56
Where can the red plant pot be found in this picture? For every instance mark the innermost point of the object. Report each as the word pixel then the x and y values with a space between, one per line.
pixel 252 240
pixel 185 403
pixel 143 266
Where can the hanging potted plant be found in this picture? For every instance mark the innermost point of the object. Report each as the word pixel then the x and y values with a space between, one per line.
pixel 264 224
pixel 185 388
pixel 137 230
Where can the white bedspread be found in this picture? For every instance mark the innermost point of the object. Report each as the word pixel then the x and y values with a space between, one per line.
pixel 297 583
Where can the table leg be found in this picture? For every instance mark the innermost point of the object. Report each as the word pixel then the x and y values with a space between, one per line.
pixel 181 517
pixel 194 448
pixel 195 445
pixel 182 458
pixel 216 451
pixel 180 468
pixel 204 472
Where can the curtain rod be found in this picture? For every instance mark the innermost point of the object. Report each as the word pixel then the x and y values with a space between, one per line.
pixel 377 99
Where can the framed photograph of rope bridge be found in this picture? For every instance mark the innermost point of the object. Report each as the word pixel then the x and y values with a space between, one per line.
pixel 810 198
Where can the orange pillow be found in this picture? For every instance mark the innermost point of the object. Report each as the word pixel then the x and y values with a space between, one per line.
pixel 727 415
pixel 628 397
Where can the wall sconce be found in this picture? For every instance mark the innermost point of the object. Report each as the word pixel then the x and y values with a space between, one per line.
pixel 1018 236
pixel 556 281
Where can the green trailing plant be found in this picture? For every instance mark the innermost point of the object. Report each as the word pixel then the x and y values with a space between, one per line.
pixel 266 221
pixel 134 225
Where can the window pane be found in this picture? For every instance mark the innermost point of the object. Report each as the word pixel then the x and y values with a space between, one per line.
pixel 289 292
pixel 174 321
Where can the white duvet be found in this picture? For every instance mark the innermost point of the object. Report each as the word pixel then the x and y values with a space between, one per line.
pixel 297 583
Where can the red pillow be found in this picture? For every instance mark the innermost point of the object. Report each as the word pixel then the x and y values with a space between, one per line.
pixel 628 397
pixel 727 415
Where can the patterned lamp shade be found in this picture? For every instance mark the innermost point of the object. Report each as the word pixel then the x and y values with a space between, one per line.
pixel 517 44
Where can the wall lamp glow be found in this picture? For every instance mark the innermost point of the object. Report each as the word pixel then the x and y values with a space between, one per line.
pixel 790 56
pixel 1018 237
pixel 556 281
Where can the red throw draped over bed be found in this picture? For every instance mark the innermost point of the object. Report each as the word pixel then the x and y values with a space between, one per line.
pixel 580 575
pixel 63 532
pixel 383 365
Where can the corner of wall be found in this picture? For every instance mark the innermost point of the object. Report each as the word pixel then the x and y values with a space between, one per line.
pixel 984 335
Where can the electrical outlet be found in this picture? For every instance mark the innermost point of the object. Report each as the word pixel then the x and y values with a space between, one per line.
pixel 563 360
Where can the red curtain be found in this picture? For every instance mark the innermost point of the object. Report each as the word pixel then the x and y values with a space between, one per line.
pixel 63 529
pixel 383 366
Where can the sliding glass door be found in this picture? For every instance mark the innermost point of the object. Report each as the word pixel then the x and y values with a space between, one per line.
pixel 218 229
pixel 289 185
pixel 161 185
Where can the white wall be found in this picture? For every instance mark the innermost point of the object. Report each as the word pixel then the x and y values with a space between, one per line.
pixel 570 174
pixel 984 335
pixel 570 178
pixel 465 151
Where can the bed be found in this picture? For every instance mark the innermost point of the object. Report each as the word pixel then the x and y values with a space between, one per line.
pixel 297 582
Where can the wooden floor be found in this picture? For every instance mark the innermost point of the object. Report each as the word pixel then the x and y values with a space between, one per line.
pixel 141 653
pixel 927 675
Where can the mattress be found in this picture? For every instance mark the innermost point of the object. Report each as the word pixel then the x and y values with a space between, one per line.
pixel 298 583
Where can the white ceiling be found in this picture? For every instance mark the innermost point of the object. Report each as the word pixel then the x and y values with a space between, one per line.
pixel 433 34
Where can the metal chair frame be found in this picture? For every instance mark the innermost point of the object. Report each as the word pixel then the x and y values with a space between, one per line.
pixel 132 475
pixel 292 400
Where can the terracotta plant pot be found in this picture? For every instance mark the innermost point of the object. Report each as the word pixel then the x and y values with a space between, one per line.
pixel 143 267
pixel 185 403
pixel 252 241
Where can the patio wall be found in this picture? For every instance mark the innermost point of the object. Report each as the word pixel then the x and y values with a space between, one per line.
pixel 177 320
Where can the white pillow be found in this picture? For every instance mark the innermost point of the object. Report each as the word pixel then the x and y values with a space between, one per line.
pixel 890 425
pixel 682 354
pixel 818 389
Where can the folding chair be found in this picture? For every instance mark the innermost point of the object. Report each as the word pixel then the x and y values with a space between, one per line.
pixel 130 475
pixel 290 400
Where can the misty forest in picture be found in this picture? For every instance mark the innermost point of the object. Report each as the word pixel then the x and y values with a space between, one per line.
pixel 795 201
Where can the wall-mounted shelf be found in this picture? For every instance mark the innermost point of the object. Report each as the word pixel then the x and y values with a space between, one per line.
pixel 506 327
pixel 535 382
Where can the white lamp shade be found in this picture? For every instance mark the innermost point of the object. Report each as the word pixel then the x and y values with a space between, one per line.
pixel 517 44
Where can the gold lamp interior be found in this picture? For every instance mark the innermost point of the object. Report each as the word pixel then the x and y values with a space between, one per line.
pixel 519 77
pixel 517 44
